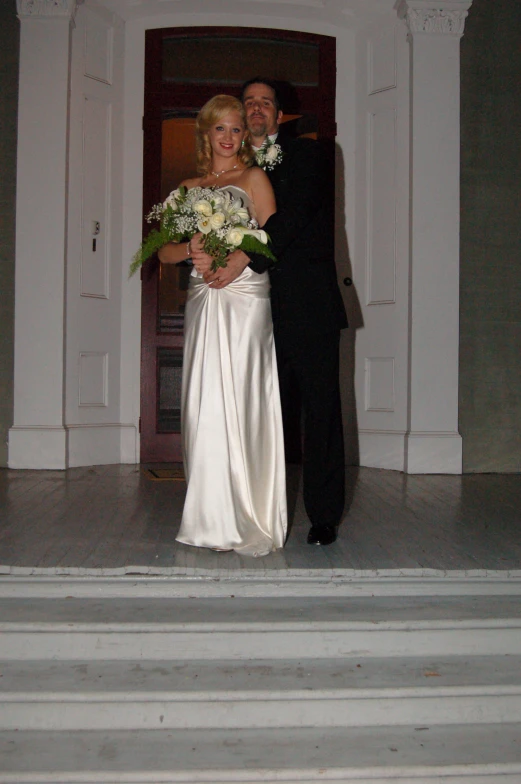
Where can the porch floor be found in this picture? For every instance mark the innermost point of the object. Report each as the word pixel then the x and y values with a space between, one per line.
pixel 115 519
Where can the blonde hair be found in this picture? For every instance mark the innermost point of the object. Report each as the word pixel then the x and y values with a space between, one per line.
pixel 213 111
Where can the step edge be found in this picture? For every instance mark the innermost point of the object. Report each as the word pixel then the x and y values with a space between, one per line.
pixel 249 627
pixel 206 583
pixel 332 695
pixel 290 775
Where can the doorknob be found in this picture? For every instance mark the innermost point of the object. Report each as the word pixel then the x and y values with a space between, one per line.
pixel 348 282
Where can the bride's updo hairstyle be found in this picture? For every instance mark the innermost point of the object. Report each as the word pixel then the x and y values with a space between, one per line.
pixel 213 111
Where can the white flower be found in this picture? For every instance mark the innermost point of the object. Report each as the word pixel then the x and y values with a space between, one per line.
pixel 217 220
pixel 203 207
pixel 235 236
pixel 171 199
pixel 259 234
pixel 269 155
pixel 218 199
pixel 243 214
pixel 204 225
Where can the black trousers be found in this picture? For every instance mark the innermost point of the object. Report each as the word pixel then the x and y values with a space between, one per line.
pixel 309 383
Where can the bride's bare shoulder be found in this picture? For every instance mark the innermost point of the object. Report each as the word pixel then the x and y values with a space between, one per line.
pixel 255 175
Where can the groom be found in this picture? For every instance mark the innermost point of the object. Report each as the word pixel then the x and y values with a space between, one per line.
pixel 307 307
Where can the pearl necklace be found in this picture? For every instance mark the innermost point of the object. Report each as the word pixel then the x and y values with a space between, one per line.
pixel 218 174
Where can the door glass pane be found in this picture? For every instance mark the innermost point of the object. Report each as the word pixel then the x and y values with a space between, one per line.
pixel 198 60
pixel 177 163
pixel 170 368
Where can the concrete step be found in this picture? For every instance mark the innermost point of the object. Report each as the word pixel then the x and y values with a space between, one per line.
pixel 244 629
pixel 482 754
pixel 147 582
pixel 83 695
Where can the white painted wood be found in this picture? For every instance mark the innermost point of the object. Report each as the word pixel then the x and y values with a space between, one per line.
pixel 93 380
pixel 115 642
pixel 422 690
pixel 433 444
pixel 99 48
pixel 251 629
pixel 260 694
pixel 381 264
pixel 402 755
pixel 175 583
pixel 37 438
pixel 96 432
pixel 100 443
pixel 75 176
pixel 96 123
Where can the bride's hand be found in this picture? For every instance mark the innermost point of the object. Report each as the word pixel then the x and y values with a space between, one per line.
pixel 237 262
pixel 202 261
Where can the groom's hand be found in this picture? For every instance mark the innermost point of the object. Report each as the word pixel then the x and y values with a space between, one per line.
pixel 236 264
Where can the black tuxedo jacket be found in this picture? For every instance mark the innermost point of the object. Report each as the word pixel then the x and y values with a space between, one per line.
pixel 304 290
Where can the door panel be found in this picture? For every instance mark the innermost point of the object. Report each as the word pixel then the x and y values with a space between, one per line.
pixel 382 243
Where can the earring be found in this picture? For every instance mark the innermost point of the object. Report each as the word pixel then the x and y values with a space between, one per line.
pixel 242 143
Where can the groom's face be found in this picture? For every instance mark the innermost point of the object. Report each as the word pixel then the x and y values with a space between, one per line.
pixel 262 116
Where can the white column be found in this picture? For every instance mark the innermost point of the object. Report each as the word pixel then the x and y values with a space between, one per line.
pixel 38 437
pixel 433 444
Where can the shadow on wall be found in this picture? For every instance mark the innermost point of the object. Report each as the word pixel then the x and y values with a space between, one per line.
pixel 354 315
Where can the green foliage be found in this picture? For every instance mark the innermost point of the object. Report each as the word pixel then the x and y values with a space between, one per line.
pixel 150 245
pixel 251 244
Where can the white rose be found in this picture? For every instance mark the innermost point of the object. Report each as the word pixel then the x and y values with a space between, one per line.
pixel 235 236
pixel 218 199
pixel 272 153
pixel 217 220
pixel 203 207
pixel 204 225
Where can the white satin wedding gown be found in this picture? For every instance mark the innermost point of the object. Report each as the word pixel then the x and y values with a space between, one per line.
pixel 231 419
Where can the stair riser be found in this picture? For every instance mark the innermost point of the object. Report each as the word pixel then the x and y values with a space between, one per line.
pixel 249 645
pixel 260 713
pixel 171 583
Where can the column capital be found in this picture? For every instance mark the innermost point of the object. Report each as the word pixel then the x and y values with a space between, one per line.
pixel 438 17
pixel 47 9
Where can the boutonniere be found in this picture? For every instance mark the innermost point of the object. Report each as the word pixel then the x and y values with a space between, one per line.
pixel 269 155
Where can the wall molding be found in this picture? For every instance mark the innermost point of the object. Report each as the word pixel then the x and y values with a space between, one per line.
pixel 101 444
pixel 431 17
pixel 57 9
pixel 38 446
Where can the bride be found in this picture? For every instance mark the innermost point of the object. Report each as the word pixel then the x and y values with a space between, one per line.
pixel 231 420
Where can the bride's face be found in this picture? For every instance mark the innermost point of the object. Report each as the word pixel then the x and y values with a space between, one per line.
pixel 226 135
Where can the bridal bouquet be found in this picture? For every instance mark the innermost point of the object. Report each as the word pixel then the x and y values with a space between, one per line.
pixel 222 219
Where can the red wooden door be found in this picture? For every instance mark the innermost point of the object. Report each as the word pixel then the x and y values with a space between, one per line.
pixel 184 67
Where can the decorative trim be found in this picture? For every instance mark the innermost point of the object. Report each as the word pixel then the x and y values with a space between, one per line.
pixel 97 398
pixel 429 16
pixel 48 8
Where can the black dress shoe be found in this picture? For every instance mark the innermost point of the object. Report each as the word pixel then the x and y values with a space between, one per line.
pixel 325 534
